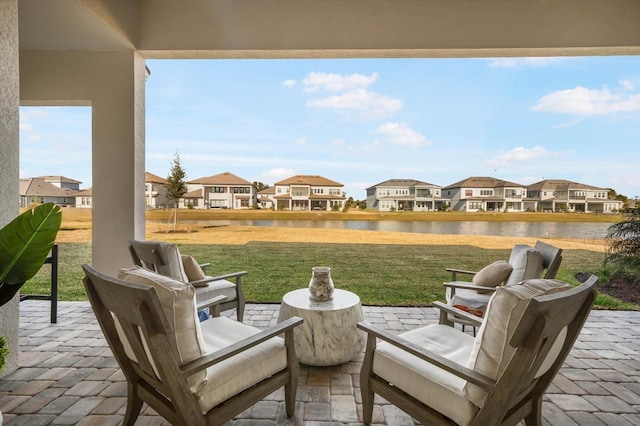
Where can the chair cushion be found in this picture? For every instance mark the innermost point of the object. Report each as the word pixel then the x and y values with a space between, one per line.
pixel 470 298
pixel 437 388
pixel 173 262
pixel 492 275
pixel 216 288
pixel 192 269
pixel 527 263
pixel 491 349
pixel 178 303
pixel 241 371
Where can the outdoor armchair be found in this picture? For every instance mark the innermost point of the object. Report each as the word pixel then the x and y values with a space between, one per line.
pixel 190 372
pixel 165 259
pixel 442 375
pixel 525 262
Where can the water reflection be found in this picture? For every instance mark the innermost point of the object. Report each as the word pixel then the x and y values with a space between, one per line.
pixel 595 230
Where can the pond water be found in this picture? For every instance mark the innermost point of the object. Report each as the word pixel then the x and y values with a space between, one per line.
pixel 595 230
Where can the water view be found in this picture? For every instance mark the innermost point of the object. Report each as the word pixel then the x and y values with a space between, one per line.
pixel 595 230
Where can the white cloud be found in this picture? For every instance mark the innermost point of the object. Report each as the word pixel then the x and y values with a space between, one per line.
pixel 330 82
pixel 301 141
pixel 524 62
pixel 360 102
pixel 275 175
pixel 401 134
pixel 518 155
pixel 588 102
pixel 289 83
pixel 627 85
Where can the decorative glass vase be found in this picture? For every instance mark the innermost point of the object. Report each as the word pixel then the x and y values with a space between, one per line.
pixel 321 285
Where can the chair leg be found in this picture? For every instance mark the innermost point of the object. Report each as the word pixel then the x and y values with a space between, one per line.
pixel 240 310
pixel 534 418
pixel 365 374
pixel 134 405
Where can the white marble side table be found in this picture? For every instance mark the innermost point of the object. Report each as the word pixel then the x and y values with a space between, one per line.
pixel 329 335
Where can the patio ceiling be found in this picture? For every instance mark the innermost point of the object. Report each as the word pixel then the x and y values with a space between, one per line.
pixel 333 28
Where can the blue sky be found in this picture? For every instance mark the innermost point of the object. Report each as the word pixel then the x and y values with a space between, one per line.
pixel 363 121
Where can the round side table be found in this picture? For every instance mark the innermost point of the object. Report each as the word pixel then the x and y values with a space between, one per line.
pixel 328 335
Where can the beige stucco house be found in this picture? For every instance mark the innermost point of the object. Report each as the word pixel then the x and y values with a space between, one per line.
pixel 479 193
pixel 563 195
pixel 155 191
pixel 93 52
pixel 49 189
pixel 222 191
pixel 308 192
pixel 405 194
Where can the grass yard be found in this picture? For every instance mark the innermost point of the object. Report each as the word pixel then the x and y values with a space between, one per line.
pixel 381 274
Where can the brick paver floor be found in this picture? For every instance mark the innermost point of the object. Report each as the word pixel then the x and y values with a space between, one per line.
pixel 67 375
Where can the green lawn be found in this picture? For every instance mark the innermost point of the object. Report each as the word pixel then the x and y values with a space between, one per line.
pixel 391 275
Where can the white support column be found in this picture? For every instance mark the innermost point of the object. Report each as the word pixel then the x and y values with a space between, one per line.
pixel 9 157
pixel 118 164
pixel 113 83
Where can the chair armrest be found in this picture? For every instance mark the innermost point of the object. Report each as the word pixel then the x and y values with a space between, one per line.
pixel 204 266
pixel 455 272
pixel 471 319
pixel 241 346
pixel 429 356
pixel 235 275
pixel 469 286
pixel 211 302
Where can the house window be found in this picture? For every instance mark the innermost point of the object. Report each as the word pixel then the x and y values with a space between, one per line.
pixel 241 190
pixel 468 193
pixel 334 191
pixel 486 192
pixel 219 189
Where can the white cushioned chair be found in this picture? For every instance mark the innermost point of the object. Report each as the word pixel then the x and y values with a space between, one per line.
pixel 165 259
pixel 190 372
pixel 525 262
pixel 442 375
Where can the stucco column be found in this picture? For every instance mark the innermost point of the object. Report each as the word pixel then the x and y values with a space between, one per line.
pixel 9 161
pixel 113 84
pixel 118 165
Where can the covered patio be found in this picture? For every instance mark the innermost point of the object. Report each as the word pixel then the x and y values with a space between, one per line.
pixel 67 374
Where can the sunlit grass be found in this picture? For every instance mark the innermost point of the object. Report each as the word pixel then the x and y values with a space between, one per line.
pixel 392 275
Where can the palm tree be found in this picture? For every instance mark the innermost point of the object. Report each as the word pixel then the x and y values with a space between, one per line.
pixel 623 243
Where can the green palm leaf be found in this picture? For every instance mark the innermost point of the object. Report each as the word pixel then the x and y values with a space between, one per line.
pixel 25 244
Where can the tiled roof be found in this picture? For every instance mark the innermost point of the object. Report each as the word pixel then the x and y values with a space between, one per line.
pixel 58 178
pixel 196 193
pixel 268 191
pixel 225 178
pixel 559 185
pixel 84 193
pixel 312 180
pixel 402 183
pixel 38 187
pixel 151 178
pixel 482 182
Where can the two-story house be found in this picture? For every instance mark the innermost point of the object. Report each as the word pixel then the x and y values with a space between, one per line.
pixel 563 195
pixel 221 191
pixel 405 194
pixel 308 192
pixel 155 191
pixel 49 189
pixel 485 194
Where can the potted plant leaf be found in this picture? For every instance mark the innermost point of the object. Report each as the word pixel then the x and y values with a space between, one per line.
pixel 25 244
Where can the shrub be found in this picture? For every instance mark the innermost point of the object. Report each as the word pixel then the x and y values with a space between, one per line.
pixel 623 243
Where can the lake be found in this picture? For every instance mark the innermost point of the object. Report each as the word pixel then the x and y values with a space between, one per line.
pixel 595 230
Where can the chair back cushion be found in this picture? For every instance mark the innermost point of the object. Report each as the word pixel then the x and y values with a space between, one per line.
pixel 492 275
pixel 492 352
pixel 527 263
pixel 178 303
pixel 172 266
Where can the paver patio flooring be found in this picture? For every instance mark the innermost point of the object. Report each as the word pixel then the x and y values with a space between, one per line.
pixel 67 374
